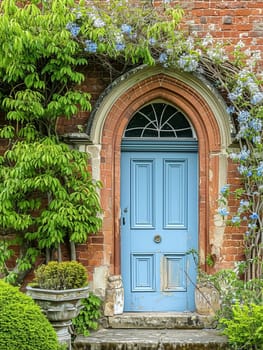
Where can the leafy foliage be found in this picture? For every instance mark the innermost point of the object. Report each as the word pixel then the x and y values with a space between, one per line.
pixel 47 195
pixel 39 70
pixel 88 317
pixel 22 324
pixel 60 275
pixel 47 198
pixel 245 329
pixel 232 289
pixel 41 75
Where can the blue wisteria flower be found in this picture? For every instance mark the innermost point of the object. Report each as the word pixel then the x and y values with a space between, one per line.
pixel 234 156
pixel 252 85
pixel 244 154
pixel 78 13
pixel 243 170
pixel 230 109
pixel 260 169
pixel 90 46
pixel 245 80
pixel 98 23
pixel 256 139
pixel 235 220
pixel 223 211
pixel 254 216
pixel 217 54
pixel 224 189
pixel 207 40
pixel 126 28
pixel 244 203
pixel 257 98
pixel 243 131
pixel 255 124
pixel 234 95
pixel 163 58
pixel 188 63
pixel 73 28
pixel 119 46
pixel 252 226
pixel 243 116
pixel 152 41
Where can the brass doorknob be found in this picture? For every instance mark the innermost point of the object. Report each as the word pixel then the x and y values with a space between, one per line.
pixel 157 239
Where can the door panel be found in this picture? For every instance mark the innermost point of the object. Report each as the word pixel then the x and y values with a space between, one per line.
pixel 159 224
pixel 142 272
pixel 174 278
pixel 142 210
pixel 175 194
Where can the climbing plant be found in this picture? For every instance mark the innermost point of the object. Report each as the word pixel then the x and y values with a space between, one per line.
pixel 47 196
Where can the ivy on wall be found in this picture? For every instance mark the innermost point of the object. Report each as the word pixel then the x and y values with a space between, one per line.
pixel 47 197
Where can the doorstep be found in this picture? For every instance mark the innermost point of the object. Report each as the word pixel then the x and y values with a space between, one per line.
pixel 149 339
pixel 164 320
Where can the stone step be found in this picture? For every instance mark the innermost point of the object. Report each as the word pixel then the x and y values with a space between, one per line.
pixel 173 320
pixel 147 339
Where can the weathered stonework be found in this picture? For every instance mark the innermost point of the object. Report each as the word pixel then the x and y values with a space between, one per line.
pixel 170 320
pixel 142 339
pixel 114 103
pixel 207 299
pixel 114 299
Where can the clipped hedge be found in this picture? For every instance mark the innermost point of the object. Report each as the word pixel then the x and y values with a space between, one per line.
pixel 61 275
pixel 22 324
pixel 10 295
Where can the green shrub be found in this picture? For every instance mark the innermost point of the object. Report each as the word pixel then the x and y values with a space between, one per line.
pixel 22 324
pixel 245 328
pixel 10 295
pixel 88 316
pixel 232 289
pixel 61 275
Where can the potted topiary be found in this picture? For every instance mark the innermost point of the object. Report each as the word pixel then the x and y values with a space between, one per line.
pixel 58 288
pixel 22 324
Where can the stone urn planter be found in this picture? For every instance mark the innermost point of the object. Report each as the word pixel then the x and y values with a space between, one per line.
pixel 58 302
pixel 207 299
pixel 60 307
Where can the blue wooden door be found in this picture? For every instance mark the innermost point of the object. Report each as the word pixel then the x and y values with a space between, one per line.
pixel 159 225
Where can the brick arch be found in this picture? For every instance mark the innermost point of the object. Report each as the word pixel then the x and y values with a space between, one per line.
pixel 202 118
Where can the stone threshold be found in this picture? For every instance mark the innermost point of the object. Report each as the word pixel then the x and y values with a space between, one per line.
pixel 146 339
pixel 163 320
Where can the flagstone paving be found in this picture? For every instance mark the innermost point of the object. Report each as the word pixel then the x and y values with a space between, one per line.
pixel 170 331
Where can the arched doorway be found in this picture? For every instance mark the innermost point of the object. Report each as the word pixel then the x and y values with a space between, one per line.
pixel 159 206
pixel 204 109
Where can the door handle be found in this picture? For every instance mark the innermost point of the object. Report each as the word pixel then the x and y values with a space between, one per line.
pixel 157 239
pixel 125 210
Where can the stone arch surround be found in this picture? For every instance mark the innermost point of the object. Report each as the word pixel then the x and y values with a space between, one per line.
pixel 206 112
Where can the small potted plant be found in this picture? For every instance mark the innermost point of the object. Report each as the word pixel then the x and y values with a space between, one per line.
pixel 207 298
pixel 58 288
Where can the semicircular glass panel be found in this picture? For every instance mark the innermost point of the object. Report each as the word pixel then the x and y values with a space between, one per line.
pixel 159 120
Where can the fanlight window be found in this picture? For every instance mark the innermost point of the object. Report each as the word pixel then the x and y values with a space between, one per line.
pixel 159 120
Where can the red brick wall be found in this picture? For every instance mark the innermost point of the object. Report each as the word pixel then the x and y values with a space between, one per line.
pixel 230 21
pixel 226 20
pixel 232 248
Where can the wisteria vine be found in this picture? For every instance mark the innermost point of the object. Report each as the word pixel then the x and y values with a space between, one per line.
pixel 120 35
pixel 233 72
pixel 111 33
